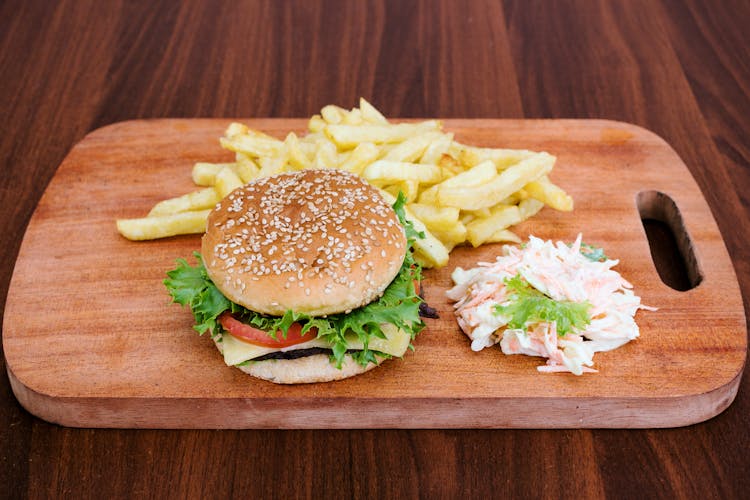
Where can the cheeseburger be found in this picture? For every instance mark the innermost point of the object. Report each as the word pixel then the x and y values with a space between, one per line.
pixel 304 277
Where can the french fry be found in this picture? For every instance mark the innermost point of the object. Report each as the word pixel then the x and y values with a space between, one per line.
pixel 503 236
pixel 197 200
pixel 364 154
pixel 482 212
pixel 325 156
pixel 543 190
pixel 253 145
pixel 479 230
pixel 450 164
pixel 298 159
pixel 434 217
pixel 353 117
pixel 529 208
pixel 253 133
pixel 412 148
pixel 515 198
pixel 333 114
pixel 476 176
pixel 451 236
pixel 245 168
pixel 235 128
pixel 204 174
pixel 408 188
pixel 428 250
pixel 271 165
pixel 348 136
pixel 384 172
pixel 370 114
pixel 470 156
pixel 436 149
pixel 467 217
pixel 342 157
pixel 309 143
pixel 226 182
pixel 429 196
pixel 492 192
pixel 316 124
pixel 456 193
pixel 487 227
pixel 163 226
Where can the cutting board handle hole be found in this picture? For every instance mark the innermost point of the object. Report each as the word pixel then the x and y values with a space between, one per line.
pixel 670 244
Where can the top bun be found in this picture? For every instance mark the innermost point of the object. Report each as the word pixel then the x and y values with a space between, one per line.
pixel 314 241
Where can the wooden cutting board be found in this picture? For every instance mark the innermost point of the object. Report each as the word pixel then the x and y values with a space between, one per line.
pixel 91 339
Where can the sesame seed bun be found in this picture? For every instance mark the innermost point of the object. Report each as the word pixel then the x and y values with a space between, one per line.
pixel 307 370
pixel 315 241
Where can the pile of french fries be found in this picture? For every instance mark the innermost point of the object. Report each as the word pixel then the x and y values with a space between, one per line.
pixel 456 193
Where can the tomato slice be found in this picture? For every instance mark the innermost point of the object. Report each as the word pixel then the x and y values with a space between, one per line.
pixel 247 333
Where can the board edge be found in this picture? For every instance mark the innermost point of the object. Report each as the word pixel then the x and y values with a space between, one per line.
pixel 377 413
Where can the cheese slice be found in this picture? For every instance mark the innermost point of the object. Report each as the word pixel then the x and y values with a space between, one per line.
pixel 396 342
pixel 236 351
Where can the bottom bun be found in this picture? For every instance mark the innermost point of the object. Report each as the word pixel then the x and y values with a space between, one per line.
pixel 306 370
pixel 315 368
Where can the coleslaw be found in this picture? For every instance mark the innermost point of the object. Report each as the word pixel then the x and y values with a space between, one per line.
pixel 561 302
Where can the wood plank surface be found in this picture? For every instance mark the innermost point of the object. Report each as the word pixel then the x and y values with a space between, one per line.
pixel 125 357
pixel 677 67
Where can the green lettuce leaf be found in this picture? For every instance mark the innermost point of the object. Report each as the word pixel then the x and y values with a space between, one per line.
pixel 528 305
pixel 191 286
pixel 593 253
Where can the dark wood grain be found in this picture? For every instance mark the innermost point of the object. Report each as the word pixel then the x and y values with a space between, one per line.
pixel 679 68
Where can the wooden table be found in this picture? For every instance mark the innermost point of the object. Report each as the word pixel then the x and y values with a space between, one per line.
pixel 677 68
